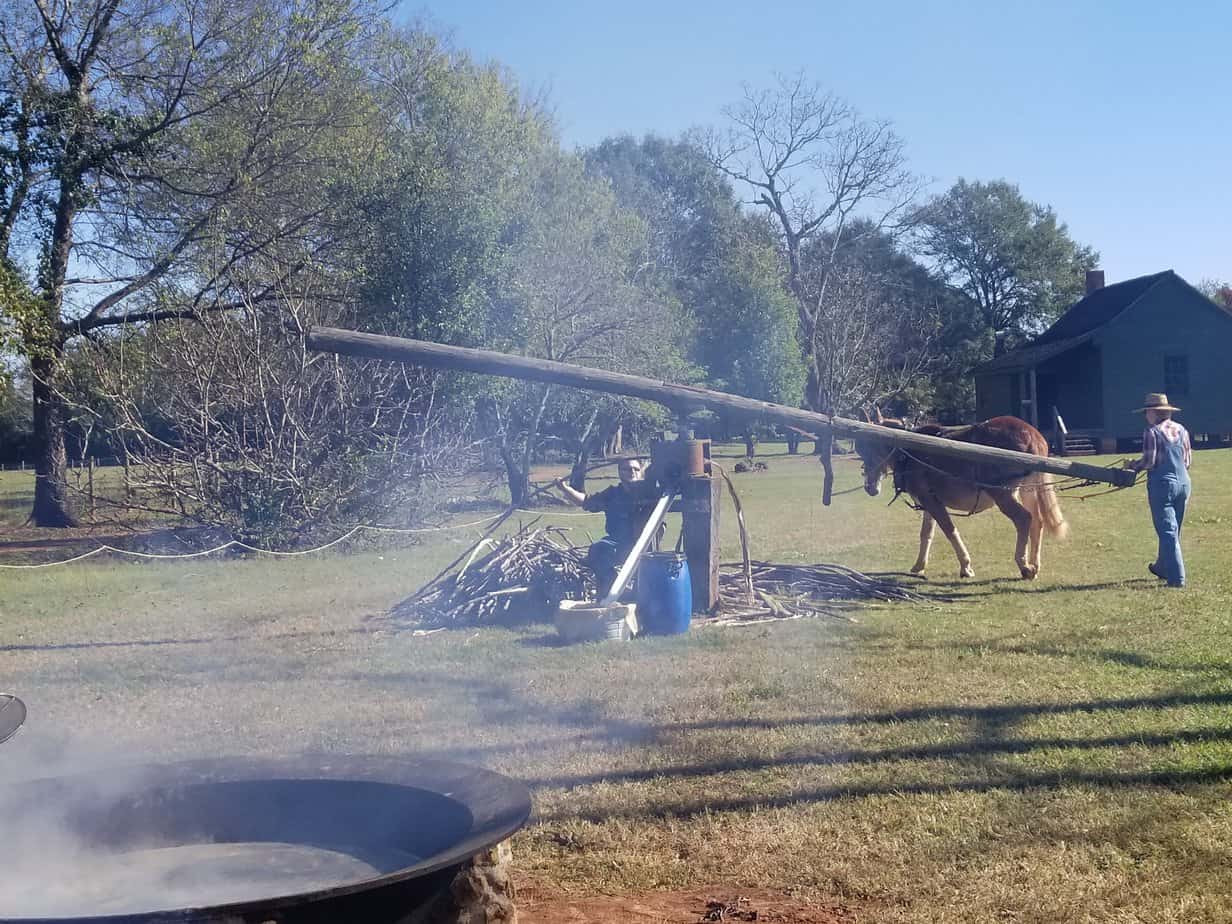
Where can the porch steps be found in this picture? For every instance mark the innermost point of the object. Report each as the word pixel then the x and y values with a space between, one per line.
pixel 1076 444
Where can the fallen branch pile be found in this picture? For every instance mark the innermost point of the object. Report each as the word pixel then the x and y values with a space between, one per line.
pixel 796 591
pixel 522 577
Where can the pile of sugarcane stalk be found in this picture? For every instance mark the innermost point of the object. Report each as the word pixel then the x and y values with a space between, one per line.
pixel 521 577
pixel 781 591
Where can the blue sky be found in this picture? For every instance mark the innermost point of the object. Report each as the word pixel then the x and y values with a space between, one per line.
pixel 1118 114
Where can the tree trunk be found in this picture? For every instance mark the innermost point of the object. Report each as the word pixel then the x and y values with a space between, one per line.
pixel 750 446
pixel 577 474
pixel 522 472
pixel 52 504
pixel 590 437
pixel 517 480
pixel 793 442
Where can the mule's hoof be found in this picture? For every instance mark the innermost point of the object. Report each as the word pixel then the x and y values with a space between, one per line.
pixel 918 569
pixel 1028 573
pixel 966 573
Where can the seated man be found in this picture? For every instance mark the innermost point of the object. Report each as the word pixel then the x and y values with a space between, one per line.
pixel 627 507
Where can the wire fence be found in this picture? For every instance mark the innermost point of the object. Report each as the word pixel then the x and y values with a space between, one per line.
pixel 284 553
pixel 79 465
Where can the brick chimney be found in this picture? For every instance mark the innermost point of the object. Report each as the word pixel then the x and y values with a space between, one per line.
pixel 1095 280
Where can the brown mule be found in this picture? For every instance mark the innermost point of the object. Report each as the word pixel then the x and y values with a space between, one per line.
pixel 939 484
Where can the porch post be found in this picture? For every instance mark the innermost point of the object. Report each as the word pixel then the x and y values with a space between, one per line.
pixel 1034 400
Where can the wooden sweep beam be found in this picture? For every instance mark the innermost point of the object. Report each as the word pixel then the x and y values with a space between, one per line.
pixel 684 399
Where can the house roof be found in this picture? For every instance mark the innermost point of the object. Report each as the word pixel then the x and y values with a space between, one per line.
pixel 1031 355
pixel 1100 307
pixel 1077 325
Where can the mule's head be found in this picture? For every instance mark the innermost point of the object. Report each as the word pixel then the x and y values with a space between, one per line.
pixel 877 455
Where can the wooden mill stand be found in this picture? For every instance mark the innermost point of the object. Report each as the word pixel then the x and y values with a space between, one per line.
pixel 678 461
pixel 685 463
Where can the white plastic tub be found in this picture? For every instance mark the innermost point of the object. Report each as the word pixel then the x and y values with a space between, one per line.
pixel 583 621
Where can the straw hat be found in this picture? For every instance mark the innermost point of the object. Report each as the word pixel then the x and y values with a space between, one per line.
pixel 1156 401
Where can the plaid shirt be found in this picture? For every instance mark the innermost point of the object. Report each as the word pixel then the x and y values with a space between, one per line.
pixel 1169 430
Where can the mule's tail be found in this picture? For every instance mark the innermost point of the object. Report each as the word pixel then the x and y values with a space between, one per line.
pixel 1047 504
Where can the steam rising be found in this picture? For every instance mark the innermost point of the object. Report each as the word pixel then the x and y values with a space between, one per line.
pixel 58 864
pixel 71 879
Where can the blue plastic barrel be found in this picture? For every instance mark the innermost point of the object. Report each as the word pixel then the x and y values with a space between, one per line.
pixel 664 594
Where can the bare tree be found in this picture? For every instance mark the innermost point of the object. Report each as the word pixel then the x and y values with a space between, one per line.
pixel 149 150
pixel 1217 290
pixel 816 166
pixel 232 423
pixel 870 342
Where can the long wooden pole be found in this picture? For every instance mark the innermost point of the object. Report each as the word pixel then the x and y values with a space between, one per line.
pixel 683 399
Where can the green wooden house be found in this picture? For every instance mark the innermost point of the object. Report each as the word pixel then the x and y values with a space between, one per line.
pixel 1080 380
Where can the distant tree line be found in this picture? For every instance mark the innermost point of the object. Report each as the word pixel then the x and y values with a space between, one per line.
pixel 186 187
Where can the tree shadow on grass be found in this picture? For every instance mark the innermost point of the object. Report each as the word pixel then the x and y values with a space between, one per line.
pixel 977 747
pixel 999 713
pixel 1000 586
pixel 984 749
pixel 1025 783
pixel 1109 655
pixel 190 640
pixel 507 705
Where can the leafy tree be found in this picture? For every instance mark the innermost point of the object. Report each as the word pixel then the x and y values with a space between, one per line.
pixel 464 146
pixel 490 236
pixel 16 434
pixel 1012 257
pixel 448 217
pixel 150 151
pixel 714 259
pixel 575 296
pixel 685 202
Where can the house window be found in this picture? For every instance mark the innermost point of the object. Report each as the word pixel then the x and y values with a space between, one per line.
pixel 1176 375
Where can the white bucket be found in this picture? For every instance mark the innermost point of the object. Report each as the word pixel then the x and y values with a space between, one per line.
pixel 583 621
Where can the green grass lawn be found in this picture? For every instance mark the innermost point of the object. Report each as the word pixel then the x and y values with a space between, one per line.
pixel 1056 750
pixel 16 490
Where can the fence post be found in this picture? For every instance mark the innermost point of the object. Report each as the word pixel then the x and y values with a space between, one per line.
pixel 90 489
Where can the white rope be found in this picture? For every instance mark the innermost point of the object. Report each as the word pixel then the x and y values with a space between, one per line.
pixel 237 544
pixel 551 513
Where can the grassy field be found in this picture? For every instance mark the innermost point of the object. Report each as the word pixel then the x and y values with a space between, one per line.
pixel 1058 750
pixel 17 489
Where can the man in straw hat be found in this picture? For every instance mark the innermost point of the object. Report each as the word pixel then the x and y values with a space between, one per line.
pixel 1166 454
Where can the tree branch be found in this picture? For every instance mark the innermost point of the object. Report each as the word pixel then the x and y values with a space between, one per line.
pixel 55 39
pixel 159 267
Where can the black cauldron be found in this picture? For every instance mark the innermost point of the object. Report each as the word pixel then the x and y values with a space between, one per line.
pixel 338 839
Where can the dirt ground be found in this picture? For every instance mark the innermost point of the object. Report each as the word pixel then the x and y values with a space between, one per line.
pixel 538 905
pixel 34 545
pixel 16 540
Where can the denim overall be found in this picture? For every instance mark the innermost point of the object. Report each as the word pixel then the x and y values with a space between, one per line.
pixel 1167 489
